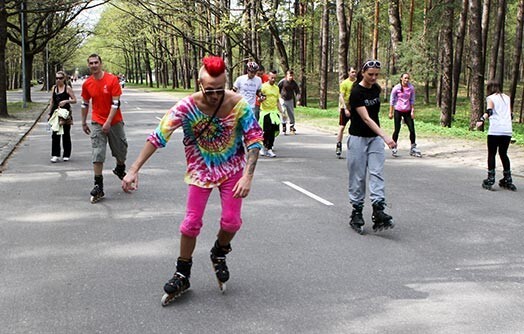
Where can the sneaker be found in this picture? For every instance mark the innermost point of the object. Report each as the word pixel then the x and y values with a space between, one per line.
pixel 54 159
pixel 263 152
pixel 65 158
pixel 394 152
pixel 270 154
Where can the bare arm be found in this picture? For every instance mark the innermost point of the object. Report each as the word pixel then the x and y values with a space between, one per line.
pixel 130 181
pixel 363 112
pixel 243 185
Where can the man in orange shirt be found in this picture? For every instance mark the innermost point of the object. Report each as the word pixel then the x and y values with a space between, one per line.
pixel 103 90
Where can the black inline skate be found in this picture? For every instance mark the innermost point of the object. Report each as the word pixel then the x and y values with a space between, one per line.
pixel 338 151
pixel 292 130
pixel 507 181
pixel 120 171
pixel 179 284
pixel 357 222
pixel 490 181
pixel 381 220
pixel 98 191
pixel 218 258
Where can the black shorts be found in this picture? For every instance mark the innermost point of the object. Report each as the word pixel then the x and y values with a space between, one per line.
pixel 343 119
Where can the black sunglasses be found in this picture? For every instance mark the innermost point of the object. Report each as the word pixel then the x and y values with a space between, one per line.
pixel 371 64
pixel 59 78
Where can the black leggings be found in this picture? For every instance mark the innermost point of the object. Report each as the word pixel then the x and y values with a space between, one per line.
pixel 501 143
pixel 409 122
pixel 66 142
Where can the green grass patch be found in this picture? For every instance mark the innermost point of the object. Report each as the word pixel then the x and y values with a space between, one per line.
pixel 16 109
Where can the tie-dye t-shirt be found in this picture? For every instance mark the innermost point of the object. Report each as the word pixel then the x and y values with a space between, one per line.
pixel 218 152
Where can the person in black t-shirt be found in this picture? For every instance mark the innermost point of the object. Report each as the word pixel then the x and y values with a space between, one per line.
pixel 365 154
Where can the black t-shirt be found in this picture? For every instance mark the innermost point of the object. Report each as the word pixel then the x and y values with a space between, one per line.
pixel 288 89
pixel 369 98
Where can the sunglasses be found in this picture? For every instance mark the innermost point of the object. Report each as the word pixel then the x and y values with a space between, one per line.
pixel 371 64
pixel 209 92
pixel 59 78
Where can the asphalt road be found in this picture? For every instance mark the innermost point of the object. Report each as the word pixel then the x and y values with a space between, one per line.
pixel 453 263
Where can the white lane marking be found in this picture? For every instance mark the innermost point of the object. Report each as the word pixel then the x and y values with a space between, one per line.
pixel 305 192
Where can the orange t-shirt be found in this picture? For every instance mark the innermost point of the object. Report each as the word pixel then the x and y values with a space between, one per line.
pixel 101 93
pixel 265 78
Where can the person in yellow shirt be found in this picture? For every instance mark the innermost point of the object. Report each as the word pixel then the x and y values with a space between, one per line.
pixel 270 111
pixel 345 91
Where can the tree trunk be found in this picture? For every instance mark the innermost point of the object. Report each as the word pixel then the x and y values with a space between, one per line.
pixel 343 40
pixel 303 56
pixel 395 30
pixel 375 29
pixel 517 53
pixel 477 69
pixel 447 64
pixel 324 54
pixel 459 49
pixel 411 15
pixel 484 30
pixel 3 70
pixel 497 34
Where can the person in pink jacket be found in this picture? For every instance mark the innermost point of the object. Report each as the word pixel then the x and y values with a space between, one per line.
pixel 402 105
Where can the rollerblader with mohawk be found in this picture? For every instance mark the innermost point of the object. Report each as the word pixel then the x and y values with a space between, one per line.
pixel 217 125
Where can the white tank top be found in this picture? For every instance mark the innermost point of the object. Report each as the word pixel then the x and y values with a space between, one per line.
pixel 500 121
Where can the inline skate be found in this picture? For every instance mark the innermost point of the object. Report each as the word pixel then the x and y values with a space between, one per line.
pixel 120 171
pixel 98 191
pixel 381 220
pixel 357 222
pixel 414 151
pixel 507 181
pixel 179 284
pixel 218 259
pixel 490 181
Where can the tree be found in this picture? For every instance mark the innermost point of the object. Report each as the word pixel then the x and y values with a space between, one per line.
pixel 323 54
pixel 476 62
pixel 518 52
pixel 395 29
pixel 447 63
pixel 343 40
pixel 3 72
pixel 459 49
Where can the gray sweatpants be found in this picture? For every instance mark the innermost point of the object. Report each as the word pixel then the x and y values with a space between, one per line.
pixel 365 155
pixel 288 107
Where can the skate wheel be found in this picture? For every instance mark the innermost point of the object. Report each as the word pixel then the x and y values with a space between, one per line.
pixel 167 299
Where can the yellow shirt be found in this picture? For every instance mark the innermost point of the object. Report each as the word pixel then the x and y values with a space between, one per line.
pixel 272 94
pixel 345 88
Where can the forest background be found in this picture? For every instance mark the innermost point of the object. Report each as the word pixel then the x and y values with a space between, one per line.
pixel 450 47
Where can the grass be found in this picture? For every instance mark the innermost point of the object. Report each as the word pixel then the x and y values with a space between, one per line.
pixel 16 109
pixel 427 117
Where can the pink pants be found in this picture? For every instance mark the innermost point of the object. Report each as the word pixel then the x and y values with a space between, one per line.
pixel 230 220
